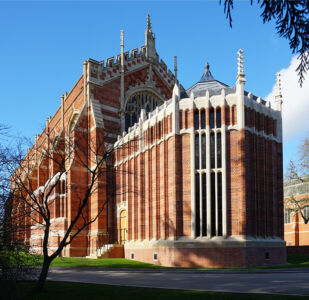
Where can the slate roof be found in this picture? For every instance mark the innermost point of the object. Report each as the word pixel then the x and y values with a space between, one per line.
pixel 207 82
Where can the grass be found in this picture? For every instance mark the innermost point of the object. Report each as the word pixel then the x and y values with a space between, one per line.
pixel 294 261
pixel 22 258
pixel 78 291
pixel 298 260
pixel 103 262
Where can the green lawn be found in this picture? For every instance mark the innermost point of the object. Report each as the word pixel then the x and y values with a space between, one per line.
pixel 18 258
pixel 298 260
pixel 77 291
pixel 102 262
pixel 294 261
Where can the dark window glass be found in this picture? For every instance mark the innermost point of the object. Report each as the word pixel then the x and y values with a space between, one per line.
pixel 203 120
pixel 219 155
pixel 197 152
pixel 204 205
pixel 212 150
pixel 133 119
pixel 203 151
pixel 196 120
pixel 218 117
pixel 213 204
pixel 219 204
pixel 212 118
pixel 127 122
pixel 197 205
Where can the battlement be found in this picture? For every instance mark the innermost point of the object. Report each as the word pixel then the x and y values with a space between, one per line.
pixel 133 59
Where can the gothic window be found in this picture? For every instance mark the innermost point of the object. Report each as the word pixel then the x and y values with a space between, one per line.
pixel 141 100
pixel 196 120
pixel 210 147
pixel 212 150
pixel 203 145
pixel 219 156
pixel 203 120
pixel 213 207
pixel 204 205
pixel 197 152
pixel 218 117
pixel 212 118
pixel 219 199
pixel 197 204
pixel 70 146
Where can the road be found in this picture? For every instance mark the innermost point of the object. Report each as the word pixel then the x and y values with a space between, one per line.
pixel 276 281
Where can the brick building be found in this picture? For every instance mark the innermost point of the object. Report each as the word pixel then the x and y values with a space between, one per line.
pixel 197 172
pixel 296 232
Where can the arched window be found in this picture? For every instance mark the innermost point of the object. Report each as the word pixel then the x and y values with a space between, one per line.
pixel 212 118
pixel 196 120
pixel 219 151
pixel 146 100
pixel 218 117
pixel 70 146
pixel 197 152
pixel 203 120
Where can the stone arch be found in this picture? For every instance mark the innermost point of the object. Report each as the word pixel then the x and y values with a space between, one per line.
pixel 73 121
pixel 70 143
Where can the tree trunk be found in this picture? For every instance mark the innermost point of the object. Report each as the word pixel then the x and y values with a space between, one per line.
pixel 44 272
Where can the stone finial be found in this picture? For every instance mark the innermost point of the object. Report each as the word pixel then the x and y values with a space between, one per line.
pixel 149 23
pixel 240 69
pixel 278 94
pixel 278 85
pixel 150 41
pixel 175 68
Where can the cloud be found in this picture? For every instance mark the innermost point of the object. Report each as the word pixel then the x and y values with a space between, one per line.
pixel 295 107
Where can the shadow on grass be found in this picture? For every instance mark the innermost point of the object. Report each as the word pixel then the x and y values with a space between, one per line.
pixel 77 291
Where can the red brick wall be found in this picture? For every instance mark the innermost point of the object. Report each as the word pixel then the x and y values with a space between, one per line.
pixel 211 257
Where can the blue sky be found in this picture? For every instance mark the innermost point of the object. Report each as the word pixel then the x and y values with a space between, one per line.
pixel 43 45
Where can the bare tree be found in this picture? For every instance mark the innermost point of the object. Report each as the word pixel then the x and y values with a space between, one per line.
pixel 291 19
pixel 297 185
pixel 33 205
pixel 15 265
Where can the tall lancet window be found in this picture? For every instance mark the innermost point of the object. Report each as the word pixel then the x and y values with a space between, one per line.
pixel 146 100
pixel 209 180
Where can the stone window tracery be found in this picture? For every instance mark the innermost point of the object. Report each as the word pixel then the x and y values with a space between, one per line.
pixel 146 100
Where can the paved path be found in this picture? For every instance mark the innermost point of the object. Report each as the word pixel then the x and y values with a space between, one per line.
pixel 278 281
